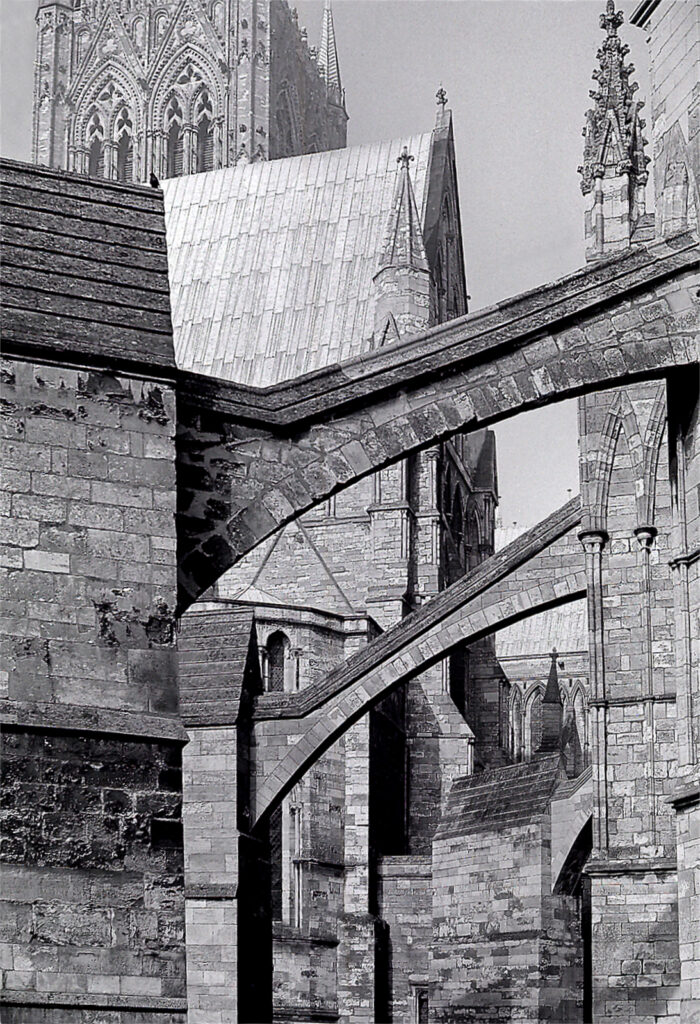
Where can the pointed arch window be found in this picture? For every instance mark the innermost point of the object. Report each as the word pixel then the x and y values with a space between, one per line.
pixel 81 45
pixel 535 724
pixel 516 726
pixel 205 133
pixel 175 145
pixel 96 148
pixel 125 146
pixel 280 667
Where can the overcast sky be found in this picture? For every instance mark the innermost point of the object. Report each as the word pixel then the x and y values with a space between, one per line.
pixel 517 76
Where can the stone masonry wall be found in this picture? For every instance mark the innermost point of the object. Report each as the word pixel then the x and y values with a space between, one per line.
pixel 92 876
pixel 404 902
pixel 504 948
pixel 89 698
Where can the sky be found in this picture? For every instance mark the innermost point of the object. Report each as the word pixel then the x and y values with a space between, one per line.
pixel 517 75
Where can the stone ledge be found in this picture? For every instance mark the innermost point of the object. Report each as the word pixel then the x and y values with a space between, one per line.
pixel 47 717
pixel 686 796
pixel 661 865
pixel 90 1001
pixel 294 1013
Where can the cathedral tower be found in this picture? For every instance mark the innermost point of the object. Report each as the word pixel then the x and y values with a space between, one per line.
pixel 123 87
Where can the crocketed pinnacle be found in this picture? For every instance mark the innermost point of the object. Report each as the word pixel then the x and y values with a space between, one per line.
pixel 328 57
pixel 403 245
pixel 613 129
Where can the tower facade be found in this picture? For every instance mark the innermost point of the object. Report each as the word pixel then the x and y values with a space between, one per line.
pixel 125 87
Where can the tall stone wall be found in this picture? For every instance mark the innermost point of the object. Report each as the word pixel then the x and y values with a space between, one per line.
pixel 404 901
pixel 92 855
pixel 504 947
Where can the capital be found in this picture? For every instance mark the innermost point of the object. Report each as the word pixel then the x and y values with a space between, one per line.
pixel 645 536
pixel 593 541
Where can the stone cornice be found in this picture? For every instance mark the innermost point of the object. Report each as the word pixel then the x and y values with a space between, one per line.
pixel 103 721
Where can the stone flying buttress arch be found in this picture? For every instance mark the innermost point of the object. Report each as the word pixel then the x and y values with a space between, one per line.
pixel 251 460
pixel 541 569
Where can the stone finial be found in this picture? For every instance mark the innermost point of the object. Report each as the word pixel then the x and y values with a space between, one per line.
pixel 405 158
pixel 613 130
pixel 441 116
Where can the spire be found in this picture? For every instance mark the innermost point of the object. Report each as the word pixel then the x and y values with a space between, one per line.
pixel 403 244
pixel 551 711
pixel 613 130
pixel 328 57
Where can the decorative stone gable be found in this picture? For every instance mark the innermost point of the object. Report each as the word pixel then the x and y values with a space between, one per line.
pixel 123 89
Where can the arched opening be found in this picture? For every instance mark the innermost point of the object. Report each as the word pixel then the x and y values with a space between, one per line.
pixel 516 726
pixel 573 881
pixel 205 133
pixel 175 145
pixel 581 718
pixel 96 149
pixel 534 723
pixel 279 675
pixel 125 146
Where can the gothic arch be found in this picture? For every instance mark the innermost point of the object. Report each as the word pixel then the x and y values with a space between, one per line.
pixel 516 722
pixel 167 82
pixel 287 121
pixel 653 441
pixel 119 82
pixel 532 725
pixel 621 418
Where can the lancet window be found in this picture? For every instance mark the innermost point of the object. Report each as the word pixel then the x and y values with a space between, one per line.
pixel 516 726
pixel 205 132
pixel 96 146
pixel 279 666
pixel 175 144
pixel 535 724
pixel 125 145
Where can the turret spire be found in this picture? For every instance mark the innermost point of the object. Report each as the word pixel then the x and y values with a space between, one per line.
pixel 328 57
pixel 403 244
pixel 402 283
pixel 551 711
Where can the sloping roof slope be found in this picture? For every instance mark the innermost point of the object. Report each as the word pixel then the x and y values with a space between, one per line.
pixel 501 798
pixel 218 661
pixel 83 267
pixel 271 264
pixel 565 627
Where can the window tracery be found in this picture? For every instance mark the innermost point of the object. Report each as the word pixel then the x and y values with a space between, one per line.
pixel 205 132
pixel 175 139
pixel 95 144
pixel 124 130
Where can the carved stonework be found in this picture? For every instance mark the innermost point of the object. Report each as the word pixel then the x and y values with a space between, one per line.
pixel 613 129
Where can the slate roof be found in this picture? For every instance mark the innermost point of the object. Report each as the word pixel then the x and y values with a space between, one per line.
pixel 271 263
pixel 218 661
pixel 565 628
pixel 83 267
pixel 501 798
